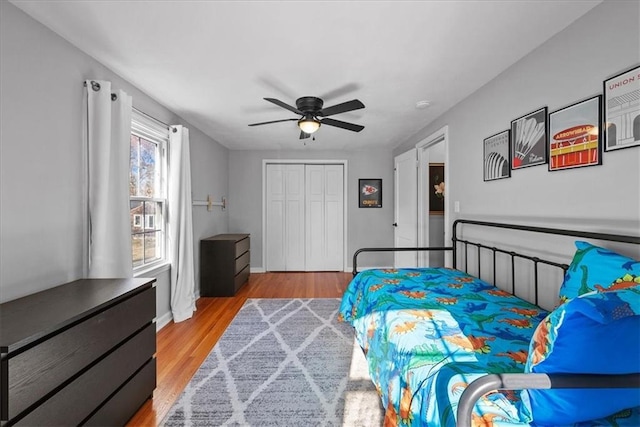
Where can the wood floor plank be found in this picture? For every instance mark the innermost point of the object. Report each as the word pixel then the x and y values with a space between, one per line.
pixel 182 347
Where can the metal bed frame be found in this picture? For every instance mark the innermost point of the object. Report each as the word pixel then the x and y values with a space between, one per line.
pixel 483 385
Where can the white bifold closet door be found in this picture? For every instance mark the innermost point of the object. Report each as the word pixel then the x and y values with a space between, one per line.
pixel 324 217
pixel 285 218
pixel 304 217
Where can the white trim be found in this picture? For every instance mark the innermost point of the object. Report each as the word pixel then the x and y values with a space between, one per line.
pixel 257 270
pixel 441 135
pixel 345 165
pixel 154 131
pixel 152 269
pixel 148 127
pixel 163 320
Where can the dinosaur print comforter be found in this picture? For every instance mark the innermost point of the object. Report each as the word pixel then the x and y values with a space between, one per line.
pixel 427 333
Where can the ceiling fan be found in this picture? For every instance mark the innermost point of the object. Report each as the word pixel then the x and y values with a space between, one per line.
pixel 313 115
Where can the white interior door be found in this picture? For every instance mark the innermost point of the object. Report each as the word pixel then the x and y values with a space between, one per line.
pixel 334 218
pixel 285 217
pixel 275 221
pixel 406 208
pixel 324 217
pixel 295 218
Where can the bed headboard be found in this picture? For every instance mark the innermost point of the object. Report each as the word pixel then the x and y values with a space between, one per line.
pixel 461 247
pixel 469 253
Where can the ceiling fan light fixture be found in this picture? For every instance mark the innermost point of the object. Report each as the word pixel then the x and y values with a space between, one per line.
pixel 308 124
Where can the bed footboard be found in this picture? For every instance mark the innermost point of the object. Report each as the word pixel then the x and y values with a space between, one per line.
pixel 482 386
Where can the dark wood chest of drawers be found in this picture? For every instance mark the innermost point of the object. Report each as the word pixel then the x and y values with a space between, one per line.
pixel 79 353
pixel 224 264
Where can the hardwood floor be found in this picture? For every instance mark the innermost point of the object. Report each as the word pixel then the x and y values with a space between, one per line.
pixel 182 347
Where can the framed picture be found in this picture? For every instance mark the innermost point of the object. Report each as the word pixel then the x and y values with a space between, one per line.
pixel 496 156
pixel 575 135
pixel 370 193
pixel 529 139
pixel 436 188
pixel 622 110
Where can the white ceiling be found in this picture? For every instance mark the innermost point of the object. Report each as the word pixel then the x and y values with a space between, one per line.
pixel 212 62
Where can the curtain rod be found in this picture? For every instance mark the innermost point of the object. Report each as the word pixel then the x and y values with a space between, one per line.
pixel 97 87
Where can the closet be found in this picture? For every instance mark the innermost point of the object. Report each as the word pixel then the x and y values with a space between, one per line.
pixel 304 224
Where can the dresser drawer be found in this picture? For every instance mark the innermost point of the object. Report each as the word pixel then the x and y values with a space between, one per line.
pixel 242 262
pixel 128 400
pixel 240 278
pixel 76 401
pixel 40 369
pixel 242 246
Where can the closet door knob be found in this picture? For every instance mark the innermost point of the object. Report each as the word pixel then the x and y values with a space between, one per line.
pixel 395 224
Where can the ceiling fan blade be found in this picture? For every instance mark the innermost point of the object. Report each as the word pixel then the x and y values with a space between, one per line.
pixel 304 135
pixel 285 106
pixel 341 124
pixel 273 121
pixel 354 104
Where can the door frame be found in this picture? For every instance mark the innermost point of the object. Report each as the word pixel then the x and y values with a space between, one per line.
pixel 437 137
pixel 345 196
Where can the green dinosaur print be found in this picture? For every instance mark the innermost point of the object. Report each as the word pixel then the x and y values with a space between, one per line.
pixel 580 253
pixel 584 287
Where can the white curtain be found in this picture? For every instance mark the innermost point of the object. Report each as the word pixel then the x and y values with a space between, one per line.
pixel 108 133
pixel 181 226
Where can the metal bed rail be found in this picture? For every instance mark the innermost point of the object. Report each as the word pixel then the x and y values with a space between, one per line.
pixel 484 385
pixel 359 251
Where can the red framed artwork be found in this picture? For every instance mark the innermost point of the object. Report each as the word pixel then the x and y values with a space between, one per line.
pixel 575 135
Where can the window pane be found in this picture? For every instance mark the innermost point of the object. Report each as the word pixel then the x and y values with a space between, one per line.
pixel 148 169
pixel 137 214
pixel 137 245
pixel 152 251
pixel 134 159
pixel 153 216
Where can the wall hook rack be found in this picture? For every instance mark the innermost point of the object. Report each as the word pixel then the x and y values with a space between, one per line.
pixel 209 203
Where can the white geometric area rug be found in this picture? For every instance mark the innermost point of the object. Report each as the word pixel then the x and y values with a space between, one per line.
pixel 282 362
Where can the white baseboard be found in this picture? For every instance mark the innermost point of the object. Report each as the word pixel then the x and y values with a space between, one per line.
pixel 257 270
pixel 163 321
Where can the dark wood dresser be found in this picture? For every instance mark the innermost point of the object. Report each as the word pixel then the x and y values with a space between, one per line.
pixel 224 264
pixel 79 353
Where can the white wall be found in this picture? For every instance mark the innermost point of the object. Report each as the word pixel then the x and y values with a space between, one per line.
pixel 41 175
pixel 569 67
pixel 366 226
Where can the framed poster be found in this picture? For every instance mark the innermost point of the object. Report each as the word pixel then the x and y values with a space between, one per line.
pixel 496 156
pixel 370 193
pixel 575 135
pixel 529 139
pixel 622 110
pixel 436 188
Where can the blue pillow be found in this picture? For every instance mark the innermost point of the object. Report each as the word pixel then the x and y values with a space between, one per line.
pixel 597 333
pixel 597 269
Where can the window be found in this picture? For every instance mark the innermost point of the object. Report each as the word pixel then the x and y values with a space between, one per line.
pixel 147 190
pixel 150 222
